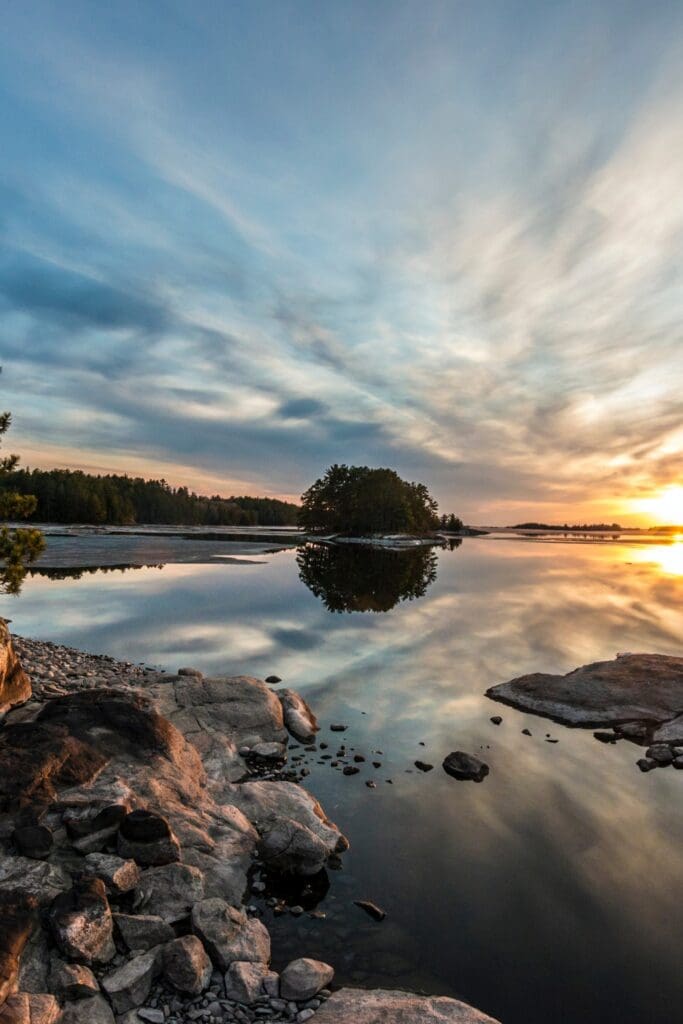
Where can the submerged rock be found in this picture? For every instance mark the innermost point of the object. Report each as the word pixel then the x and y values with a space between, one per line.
pixel 377 1006
pixel 370 908
pixel 465 766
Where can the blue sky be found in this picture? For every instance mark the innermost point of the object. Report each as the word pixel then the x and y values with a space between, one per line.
pixel 240 241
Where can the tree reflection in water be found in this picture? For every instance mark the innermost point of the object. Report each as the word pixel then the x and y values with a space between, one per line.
pixel 359 578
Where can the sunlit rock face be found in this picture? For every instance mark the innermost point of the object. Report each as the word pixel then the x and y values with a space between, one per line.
pixel 15 685
pixel 379 1007
pixel 633 687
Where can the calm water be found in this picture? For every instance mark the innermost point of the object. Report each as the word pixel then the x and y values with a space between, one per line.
pixel 550 892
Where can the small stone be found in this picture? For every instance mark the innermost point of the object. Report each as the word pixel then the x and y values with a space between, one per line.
pixel 339 728
pixel 423 766
pixel 147 839
pixel 496 719
pixel 358 758
pixel 465 766
pixel 370 784
pixel 526 732
pixel 273 679
pixel 660 752
pixel 150 1013
pixel 645 764
pixel 350 769
pixel 370 908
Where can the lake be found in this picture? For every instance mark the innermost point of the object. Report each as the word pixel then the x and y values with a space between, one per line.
pixel 549 892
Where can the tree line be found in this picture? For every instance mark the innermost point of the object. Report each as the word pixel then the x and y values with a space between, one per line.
pixel 71 496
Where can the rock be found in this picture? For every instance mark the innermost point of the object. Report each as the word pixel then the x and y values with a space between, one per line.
pixel 350 769
pixel 423 766
pixel 15 685
pixel 633 687
pixel 143 931
pixel 465 766
pixel 72 981
pixel 229 935
pixel 186 966
pixel 296 836
pixel 645 764
pixel 302 979
pixel 118 875
pixel 273 679
pixel 33 841
pixel 169 892
pixel 496 719
pixel 660 753
pixel 372 909
pixel 147 838
pixel 271 984
pixel 298 717
pixel 37 760
pixel 377 1006
pixel 339 728
pixel 632 730
pixel 150 1014
pixel 244 981
pixel 269 751
pixel 129 985
pixel 671 732
pixel 81 922
pixel 191 672
pixel 32 879
pixel 87 1011
pixel 25 1008
pixel 18 917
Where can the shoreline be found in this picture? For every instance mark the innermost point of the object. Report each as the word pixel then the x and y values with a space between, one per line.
pixel 214 767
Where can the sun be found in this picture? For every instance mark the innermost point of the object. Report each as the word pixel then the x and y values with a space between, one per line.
pixel 666 507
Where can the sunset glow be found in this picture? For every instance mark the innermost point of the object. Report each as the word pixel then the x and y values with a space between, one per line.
pixel 665 508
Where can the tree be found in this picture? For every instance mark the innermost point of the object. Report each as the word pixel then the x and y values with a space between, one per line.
pixel 18 547
pixel 356 500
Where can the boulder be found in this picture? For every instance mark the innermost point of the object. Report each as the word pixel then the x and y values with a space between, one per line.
pixel 143 931
pixel 632 687
pixel 15 685
pixel 465 766
pixel 296 836
pixel 33 841
pixel 87 1011
pixel 302 979
pixel 186 966
pixel 169 892
pixel 670 732
pixel 377 1006
pixel 298 717
pixel 147 838
pixel 81 922
pixel 118 875
pixel 229 935
pixel 18 917
pixel 26 1008
pixel 129 985
pixel 38 759
pixel 244 981
pixel 72 981
pixel 269 751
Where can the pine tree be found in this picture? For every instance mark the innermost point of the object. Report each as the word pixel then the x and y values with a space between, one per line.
pixel 18 547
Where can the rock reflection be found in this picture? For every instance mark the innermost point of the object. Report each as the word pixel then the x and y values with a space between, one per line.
pixel 355 578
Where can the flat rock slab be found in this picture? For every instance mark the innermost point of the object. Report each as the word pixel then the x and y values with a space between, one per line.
pixel 378 1006
pixel 633 687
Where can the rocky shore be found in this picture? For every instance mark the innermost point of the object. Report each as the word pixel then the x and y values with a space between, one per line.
pixel 134 808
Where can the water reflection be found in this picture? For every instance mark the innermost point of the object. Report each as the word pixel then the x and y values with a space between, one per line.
pixel 669 557
pixel 354 578
pixel 546 894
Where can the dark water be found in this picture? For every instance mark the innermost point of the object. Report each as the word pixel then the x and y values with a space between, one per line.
pixel 550 892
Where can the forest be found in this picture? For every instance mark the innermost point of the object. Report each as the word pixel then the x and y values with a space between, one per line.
pixel 71 496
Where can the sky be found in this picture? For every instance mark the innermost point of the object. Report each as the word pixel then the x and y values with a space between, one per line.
pixel 240 241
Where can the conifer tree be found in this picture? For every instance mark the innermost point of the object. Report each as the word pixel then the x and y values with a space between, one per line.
pixel 18 547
